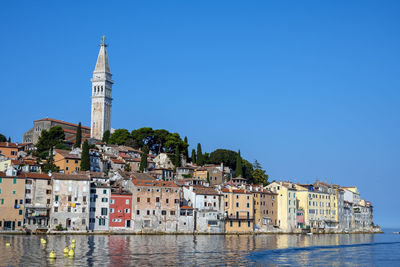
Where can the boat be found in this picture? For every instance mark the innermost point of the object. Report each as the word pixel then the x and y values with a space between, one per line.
pixel 398 233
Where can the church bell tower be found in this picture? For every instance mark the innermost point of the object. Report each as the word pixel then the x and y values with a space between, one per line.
pixel 101 94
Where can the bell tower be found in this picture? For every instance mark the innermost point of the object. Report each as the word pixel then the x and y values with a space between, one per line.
pixel 101 94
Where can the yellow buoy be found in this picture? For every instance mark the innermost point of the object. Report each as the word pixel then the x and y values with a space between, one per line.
pixel 8 244
pixel 73 246
pixel 66 250
pixel 52 255
pixel 71 253
pixel 73 240
pixel 43 241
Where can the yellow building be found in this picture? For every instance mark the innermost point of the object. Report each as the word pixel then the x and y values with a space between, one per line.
pixel 67 161
pixel 12 194
pixel 319 202
pixel 200 174
pixel 239 210
pixel 287 204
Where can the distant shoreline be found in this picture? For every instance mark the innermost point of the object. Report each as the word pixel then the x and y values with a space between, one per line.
pixel 167 233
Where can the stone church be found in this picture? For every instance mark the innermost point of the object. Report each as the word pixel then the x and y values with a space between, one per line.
pixel 100 109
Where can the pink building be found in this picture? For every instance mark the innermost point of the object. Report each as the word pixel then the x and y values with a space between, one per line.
pixel 120 210
pixel 300 218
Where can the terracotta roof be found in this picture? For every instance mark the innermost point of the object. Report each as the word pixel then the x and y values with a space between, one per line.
pixel 8 144
pixel 35 175
pixel 184 207
pixel 117 161
pixel 63 176
pixel 141 176
pixel 201 190
pixel 66 154
pixel 63 122
pixel 153 183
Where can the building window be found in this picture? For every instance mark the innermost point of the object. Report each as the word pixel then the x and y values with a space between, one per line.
pixel 148 200
pixel 2 201
pixel 167 201
pixel 138 212
pixel 103 211
pixel 69 198
pixel 104 199
pixel 126 202
pixel 237 204
pixel 112 201
pixel 239 224
pixel 14 180
pixel 148 212
pixel 157 199
pixel 56 198
pixel 127 210
pixel 248 224
pixel 21 201
pixel 163 212
pixel 1 179
pixel 138 199
pixel 83 221
pixel 20 212
pixel 172 212
pixel 55 209
pixel 14 192
pixel 230 223
pixel 248 205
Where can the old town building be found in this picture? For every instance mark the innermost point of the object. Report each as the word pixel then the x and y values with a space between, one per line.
pixel 12 196
pixel 70 201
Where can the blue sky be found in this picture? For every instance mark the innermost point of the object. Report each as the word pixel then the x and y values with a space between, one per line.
pixel 308 88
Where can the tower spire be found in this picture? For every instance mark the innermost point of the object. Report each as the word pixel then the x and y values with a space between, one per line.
pixel 102 64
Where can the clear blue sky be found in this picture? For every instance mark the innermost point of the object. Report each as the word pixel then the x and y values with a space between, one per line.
pixel 308 88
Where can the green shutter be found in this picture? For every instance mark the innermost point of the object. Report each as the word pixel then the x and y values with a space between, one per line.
pixel 1 180
pixel 14 180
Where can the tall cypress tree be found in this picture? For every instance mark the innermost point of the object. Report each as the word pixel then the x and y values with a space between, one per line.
pixel 177 157
pixel 78 140
pixel 143 159
pixel 186 149
pixel 193 156
pixel 239 168
pixel 200 160
pixel 9 139
pixel 85 158
pixel 106 136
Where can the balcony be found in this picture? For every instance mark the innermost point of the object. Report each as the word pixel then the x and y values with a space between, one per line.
pixel 239 218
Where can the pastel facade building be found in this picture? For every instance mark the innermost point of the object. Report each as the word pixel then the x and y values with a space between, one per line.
pixel 67 161
pixel 239 210
pixel 208 205
pixel 155 206
pixel 12 196
pixel 38 201
pixel 265 209
pixel 99 213
pixel 70 201
pixel 287 204
pixel 121 210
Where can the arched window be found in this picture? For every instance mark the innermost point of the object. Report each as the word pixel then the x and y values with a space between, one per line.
pixel 55 221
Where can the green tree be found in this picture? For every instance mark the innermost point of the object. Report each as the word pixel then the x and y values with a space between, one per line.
pixel 199 156
pixel 177 157
pixel 106 136
pixel 9 139
pixel 193 156
pixel 3 138
pixel 78 139
pixel 186 151
pixel 259 175
pixel 49 165
pixel 239 168
pixel 119 137
pixel 85 158
pixel 143 159
pixel 127 168
pixel 48 140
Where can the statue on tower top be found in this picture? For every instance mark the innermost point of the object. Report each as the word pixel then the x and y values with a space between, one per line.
pixel 103 40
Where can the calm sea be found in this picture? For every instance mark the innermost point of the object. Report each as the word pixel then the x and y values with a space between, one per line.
pixel 173 250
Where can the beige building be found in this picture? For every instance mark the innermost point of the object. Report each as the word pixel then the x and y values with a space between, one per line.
pixel 12 194
pixel 287 203
pixel 239 210
pixel 38 188
pixel 70 201
pixel 265 208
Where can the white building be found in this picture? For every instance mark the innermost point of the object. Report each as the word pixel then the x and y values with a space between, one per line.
pixel 99 214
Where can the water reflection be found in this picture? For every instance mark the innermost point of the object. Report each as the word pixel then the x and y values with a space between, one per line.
pixel 134 250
